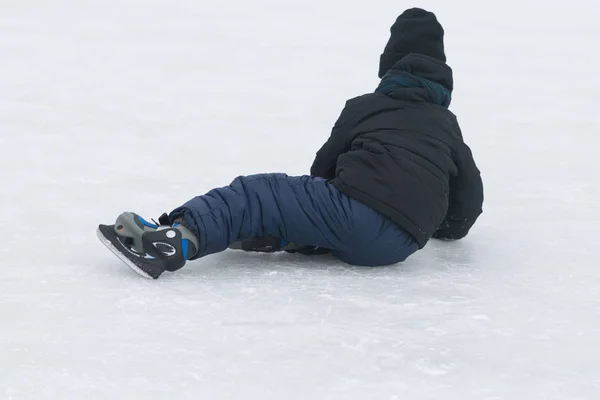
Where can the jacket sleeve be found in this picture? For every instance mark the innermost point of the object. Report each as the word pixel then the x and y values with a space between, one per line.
pixel 466 198
pixel 338 143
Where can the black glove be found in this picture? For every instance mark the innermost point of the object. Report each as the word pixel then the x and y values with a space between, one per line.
pixel 453 229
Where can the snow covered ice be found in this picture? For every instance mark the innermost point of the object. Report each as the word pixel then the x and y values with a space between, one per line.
pixel 101 105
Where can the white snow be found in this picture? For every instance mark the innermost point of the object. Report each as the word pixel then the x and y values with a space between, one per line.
pixel 108 106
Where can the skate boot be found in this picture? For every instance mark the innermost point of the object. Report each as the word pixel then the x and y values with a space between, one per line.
pixel 272 244
pixel 266 244
pixel 147 248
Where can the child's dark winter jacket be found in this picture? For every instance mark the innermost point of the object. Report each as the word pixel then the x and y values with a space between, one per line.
pixel 403 155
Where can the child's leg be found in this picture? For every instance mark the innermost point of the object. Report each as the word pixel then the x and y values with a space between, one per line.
pixel 391 245
pixel 303 210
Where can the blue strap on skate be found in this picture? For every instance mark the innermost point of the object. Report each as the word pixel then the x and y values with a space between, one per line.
pixel 184 247
pixel 148 224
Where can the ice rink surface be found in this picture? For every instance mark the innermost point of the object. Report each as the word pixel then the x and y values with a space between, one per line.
pixel 108 106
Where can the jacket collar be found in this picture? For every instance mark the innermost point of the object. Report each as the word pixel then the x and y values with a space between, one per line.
pixel 426 67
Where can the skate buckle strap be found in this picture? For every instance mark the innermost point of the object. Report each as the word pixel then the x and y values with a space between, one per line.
pixel 164 219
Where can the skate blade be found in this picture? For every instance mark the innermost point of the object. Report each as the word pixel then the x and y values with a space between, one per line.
pixel 122 257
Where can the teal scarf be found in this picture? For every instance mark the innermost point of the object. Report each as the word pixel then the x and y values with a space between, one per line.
pixel 394 80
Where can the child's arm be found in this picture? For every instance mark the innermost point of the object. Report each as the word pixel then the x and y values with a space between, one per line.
pixel 338 143
pixel 466 198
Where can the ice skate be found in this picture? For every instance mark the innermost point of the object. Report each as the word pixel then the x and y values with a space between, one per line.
pixel 147 248
pixel 271 244
pixel 267 244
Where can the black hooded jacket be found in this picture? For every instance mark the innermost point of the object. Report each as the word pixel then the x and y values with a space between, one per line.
pixel 405 157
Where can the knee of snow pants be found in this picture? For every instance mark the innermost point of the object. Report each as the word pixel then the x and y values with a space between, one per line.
pixel 303 210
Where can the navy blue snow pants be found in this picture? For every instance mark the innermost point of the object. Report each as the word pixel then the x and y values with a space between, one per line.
pixel 303 210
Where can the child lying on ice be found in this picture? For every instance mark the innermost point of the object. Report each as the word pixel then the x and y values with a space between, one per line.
pixel 394 173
